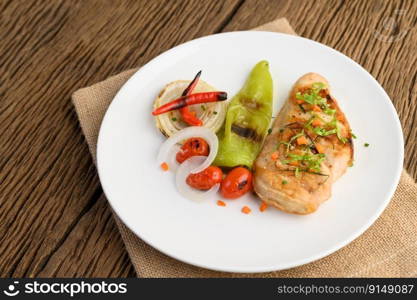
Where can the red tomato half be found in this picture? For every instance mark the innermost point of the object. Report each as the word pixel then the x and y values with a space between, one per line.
pixel 206 179
pixel 193 147
pixel 237 183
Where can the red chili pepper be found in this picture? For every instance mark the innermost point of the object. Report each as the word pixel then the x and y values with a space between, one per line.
pixel 192 85
pixel 197 98
pixel 188 116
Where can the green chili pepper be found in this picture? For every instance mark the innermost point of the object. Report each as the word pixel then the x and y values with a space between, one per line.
pixel 247 120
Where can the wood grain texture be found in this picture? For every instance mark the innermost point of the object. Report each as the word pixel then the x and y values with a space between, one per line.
pixel 54 220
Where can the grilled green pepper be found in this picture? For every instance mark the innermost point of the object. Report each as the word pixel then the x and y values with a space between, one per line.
pixel 247 120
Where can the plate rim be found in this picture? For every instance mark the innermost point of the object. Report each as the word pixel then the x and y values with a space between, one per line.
pixel 274 267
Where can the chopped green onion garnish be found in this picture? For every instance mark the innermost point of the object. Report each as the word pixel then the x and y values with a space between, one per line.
pixel 294 138
pixel 323 132
pixel 308 124
pixel 329 111
pixel 269 130
pixel 297 172
pixel 215 112
pixel 366 145
pixel 284 182
pixel 353 135
pixel 174 119
pixel 282 143
pixel 318 86
pixel 339 136
pixel 312 97
pixel 203 107
pixel 313 161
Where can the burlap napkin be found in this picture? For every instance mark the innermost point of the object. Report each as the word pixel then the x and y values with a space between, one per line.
pixel 387 249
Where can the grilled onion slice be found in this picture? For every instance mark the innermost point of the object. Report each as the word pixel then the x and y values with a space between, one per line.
pixel 212 114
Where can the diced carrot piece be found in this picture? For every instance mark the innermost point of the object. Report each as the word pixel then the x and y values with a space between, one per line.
pixel 316 108
pixel 302 140
pixel 294 163
pixel 246 210
pixel 340 117
pixel 299 101
pixel 319 148
pixel 263 207
pixel 164 166
pixel 274 155
pixel 316 122
pixel 220 203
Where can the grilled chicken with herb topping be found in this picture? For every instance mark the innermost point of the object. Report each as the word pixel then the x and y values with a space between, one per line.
pixel 309 148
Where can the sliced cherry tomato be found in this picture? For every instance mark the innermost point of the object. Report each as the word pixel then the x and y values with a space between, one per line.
pixel 206 179
pixel 236 183
pixel 193 147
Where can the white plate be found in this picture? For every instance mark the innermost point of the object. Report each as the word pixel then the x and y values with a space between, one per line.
pixel 222 238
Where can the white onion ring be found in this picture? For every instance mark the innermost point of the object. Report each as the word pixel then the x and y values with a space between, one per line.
pixel 172 158
pixel 184 134
pixel 181 177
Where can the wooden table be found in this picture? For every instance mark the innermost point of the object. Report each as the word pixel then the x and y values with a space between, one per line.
pixel 54 220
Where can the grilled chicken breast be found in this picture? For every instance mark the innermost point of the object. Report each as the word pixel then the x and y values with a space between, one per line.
pixel 309 148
